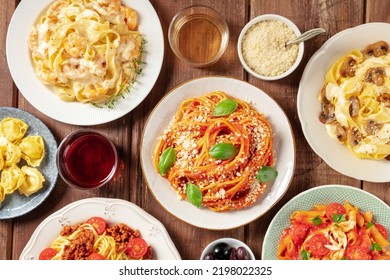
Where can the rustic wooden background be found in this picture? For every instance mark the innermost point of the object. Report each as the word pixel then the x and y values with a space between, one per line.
pixel 311 170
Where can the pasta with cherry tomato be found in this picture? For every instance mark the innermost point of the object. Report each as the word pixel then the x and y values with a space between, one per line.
pixel 334 231
pixel 94 239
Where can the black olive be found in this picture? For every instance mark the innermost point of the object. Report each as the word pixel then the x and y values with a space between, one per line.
pixel 221 251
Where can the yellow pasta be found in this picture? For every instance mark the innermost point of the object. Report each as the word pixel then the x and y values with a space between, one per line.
pixel 90 51
pixel 13 129
pixel 15 145
pixel 355 101
pixel 32 149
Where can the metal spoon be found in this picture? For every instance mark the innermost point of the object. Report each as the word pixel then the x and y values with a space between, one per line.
pixel 306 36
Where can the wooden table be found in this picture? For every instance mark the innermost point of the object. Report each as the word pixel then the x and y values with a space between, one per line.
pixel 310 171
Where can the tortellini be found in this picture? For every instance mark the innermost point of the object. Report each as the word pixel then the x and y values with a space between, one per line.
pixel 33 149
pixel 33 181
pixel 20 156
pixel 13 129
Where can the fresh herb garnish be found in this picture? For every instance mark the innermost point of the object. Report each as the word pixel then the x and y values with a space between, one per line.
pixel 338 218
pixel 369 224
pixel 225 107
pixel 375 247
pixel 223 151
pixel 266 174
pixel 167 159
pixel 305 255
pixel 317 220
pixel 194 194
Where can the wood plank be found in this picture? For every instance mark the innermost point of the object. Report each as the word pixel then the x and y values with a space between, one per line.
pixel 188 238
pixel 376 11
pixel 312 171
pixel 8 99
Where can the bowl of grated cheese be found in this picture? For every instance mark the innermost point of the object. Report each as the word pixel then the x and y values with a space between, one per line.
pixel 262 47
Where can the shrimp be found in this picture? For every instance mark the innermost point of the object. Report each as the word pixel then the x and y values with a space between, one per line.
pixel 130 17
pixel 55 10
pixel 75 45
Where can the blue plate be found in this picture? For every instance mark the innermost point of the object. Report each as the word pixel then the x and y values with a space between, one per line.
pixel 16 204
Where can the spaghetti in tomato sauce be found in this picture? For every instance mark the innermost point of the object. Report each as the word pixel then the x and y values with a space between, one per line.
pixel 216 151
pixel 94 239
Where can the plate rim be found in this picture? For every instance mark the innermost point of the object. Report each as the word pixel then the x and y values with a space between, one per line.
pixel 128 103
pixel 300 97
pixel 49 189
pixel 173 89
pixel 104 201
pixel 347 188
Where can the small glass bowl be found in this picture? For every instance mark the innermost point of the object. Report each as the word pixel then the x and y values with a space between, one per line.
pixel 86 159
pixel 232 242
pixel 198 35
pixel 261 18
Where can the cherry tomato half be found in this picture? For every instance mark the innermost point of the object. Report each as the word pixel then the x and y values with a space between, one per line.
pixel 299 233
pixel 47 254
pixel 98 223
pixel 357 253
pixel 136 248
pixel 95 256
pixel 316 245
pixel 382 231
pixel 334 209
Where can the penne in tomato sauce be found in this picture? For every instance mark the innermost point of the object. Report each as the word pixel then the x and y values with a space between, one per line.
pixel 334 231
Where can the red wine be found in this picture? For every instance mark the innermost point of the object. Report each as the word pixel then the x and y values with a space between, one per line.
pixel 88 160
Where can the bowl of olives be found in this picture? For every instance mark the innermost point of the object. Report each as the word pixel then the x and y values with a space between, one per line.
pixel 227 249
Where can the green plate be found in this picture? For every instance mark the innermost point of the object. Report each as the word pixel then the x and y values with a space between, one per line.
pixel 322 195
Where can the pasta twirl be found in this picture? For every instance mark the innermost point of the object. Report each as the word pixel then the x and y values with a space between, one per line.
pixel 355 101
pixel 341 231
pixel 90 51
pixel 217 146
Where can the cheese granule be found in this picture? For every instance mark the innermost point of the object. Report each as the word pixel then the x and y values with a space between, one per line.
pixel 264 50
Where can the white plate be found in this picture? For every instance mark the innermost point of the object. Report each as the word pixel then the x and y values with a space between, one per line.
pixel 15 204
pixel 334 154
pixel 44 99
pixel 321 195
pixel 114 211
pixel 284 147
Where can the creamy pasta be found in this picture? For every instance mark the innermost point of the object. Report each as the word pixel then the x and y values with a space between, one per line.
pixel 90 51
pixel 355 101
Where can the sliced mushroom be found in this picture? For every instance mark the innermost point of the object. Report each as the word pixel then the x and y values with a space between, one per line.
pixel 354 137
pixel 341 133
pixel 388 157
pixel 354 107
pixel 373 127
pixel 327 114
pixel 348 68
pixel 375 75
pixel 385 99
pixel 376 49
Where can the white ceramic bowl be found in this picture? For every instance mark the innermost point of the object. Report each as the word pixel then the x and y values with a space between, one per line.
pixel 263 18
pixel 234 243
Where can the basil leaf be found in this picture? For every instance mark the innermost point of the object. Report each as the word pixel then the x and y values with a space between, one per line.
pixel 266 174
pixel 225 107
pixel 167 159
pixel 194 194
pixel 338 218
pixel 369 224
pixel 305 255
pixel 375 246
pixel 223 151
pixel 317 220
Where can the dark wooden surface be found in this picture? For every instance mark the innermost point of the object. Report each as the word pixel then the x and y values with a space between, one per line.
pixel 310 171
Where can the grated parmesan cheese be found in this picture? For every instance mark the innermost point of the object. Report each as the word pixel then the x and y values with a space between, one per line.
pixel 264 50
